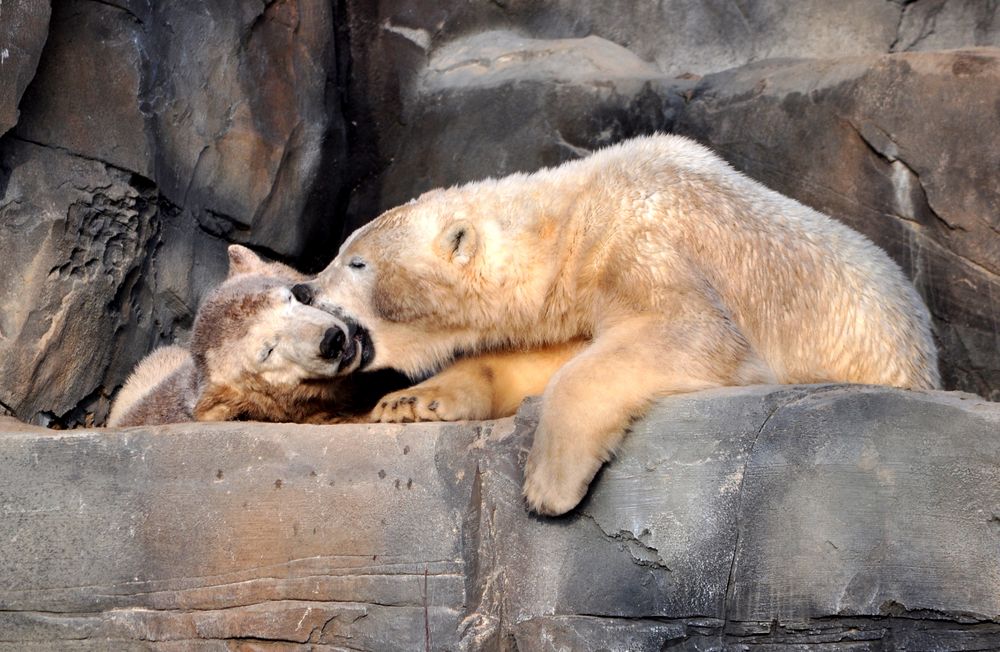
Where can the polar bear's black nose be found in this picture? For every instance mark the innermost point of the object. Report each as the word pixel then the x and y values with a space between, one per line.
pixel 303 293
pixel 332 344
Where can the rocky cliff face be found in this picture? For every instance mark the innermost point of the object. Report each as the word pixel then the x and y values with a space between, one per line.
pixel 139 138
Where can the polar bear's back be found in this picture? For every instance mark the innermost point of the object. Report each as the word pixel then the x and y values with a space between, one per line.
pixel 819 301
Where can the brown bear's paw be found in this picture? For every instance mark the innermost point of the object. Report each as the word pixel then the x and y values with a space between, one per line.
pixel 423 404
pixel 556 476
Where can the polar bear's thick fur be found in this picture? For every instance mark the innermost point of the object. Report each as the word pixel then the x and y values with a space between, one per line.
pixel 677 271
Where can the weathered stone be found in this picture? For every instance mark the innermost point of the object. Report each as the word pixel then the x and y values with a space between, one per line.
pixel 24 24
pixel 96 288
pixel 246 117
pixel 88 88
pixel 496 103
pixel 947 24
pixel 902 147
pixel 685 36
pixel 390 43
pixel 229 107
pixel 819 535
pixel 860 517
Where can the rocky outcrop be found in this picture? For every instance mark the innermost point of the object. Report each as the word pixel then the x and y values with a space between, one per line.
pixel 864 517
pixel 226 106
pixel 24 25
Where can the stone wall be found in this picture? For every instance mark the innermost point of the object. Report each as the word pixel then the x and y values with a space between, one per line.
pixel 138 139
pixel 859 518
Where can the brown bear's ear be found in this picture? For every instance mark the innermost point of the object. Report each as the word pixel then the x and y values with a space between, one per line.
pixel 244 261
pixel 217 403
pixel 458 242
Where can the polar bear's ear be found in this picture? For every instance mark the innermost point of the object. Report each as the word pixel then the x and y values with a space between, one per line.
pixel 243 261
pixel 458 242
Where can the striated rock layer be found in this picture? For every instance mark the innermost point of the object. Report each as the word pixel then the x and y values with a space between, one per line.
pixel 859 517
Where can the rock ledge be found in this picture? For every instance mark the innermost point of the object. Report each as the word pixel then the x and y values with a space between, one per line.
pixel 862 516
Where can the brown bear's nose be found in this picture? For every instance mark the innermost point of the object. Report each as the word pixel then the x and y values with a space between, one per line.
pixel 303 293
pixel 332 344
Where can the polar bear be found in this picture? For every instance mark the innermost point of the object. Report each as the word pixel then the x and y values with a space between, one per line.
pixel 676 271
pixel 256 352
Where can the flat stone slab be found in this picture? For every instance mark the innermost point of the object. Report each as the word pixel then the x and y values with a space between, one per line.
pixel 863 517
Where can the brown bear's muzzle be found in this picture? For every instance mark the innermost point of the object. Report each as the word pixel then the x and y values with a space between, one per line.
pixel 351 348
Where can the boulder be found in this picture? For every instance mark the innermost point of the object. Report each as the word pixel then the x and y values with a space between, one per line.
pixel 496 103
pixel 857 517
pixel 905 149
pixel 390 44
pixel 24 25
pixel 946 25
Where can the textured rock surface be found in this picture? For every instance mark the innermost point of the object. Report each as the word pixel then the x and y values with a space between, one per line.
pixel 225 105
pixel 859 517
pixel 903 148
pixel 24 25
pixel 390 42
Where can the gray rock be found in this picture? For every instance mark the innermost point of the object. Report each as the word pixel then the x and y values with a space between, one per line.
pixel 856 517
pixel 496 103
pixel 390 43
pixel 843 136
pixel 24 24
pixel 97 287
pixel 947 24
pixel 227 106
pixel 88 88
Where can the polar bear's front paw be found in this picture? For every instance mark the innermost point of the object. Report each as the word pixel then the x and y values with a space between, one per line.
pixel 421 404
pixel 556 480
pixel 408 406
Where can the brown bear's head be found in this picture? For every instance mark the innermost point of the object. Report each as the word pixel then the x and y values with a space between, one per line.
pixel 256 334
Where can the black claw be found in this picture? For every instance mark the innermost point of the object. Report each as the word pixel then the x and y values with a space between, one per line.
pixel 433 406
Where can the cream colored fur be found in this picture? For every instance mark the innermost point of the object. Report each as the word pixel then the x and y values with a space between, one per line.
pixel 485 386
pixel 683 273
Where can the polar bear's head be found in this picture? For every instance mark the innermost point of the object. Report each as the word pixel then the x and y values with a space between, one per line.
pixel 419 283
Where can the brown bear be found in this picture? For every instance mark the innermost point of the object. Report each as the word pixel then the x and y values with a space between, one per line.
pixel 257 352
pixel 676 272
